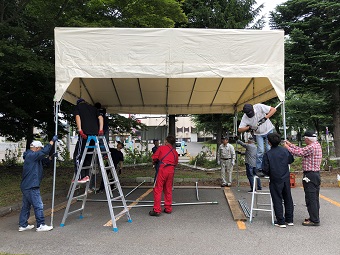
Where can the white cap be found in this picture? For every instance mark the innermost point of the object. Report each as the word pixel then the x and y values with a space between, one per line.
pixel 36 144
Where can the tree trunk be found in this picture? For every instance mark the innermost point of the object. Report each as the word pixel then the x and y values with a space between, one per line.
pixel 336 119
pixel 29 136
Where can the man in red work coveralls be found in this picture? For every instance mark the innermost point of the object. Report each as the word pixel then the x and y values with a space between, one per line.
pixel 167 159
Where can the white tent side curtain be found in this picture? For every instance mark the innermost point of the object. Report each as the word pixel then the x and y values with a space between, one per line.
pixel 169 71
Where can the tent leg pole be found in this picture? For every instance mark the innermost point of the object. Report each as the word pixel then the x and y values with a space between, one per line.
pixel 284 120
pixel 56 111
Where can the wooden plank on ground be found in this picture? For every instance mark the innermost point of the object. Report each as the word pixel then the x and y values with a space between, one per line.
pixel 234 205
pixel 48 212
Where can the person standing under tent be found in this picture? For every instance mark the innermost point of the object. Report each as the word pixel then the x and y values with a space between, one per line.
pixel 117 159
pixel 87 118
pixel 167 158
pixel 256 119
pixel 32 175
pixel 226 159
pixel 276 163
pixel 154 149
pixel 311 161
pixel 250 160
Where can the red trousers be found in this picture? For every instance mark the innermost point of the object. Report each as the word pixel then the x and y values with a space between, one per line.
pixel 164 182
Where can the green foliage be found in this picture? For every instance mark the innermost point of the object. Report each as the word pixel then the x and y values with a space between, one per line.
pixel 137 156
pixel 223 14
pixel 312 57
pixel 27 52
pixel 64 159
pixel 202 160
pixel 11 158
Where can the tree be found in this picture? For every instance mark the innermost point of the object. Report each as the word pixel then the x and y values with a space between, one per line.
pixel 312 50
pixel 232 14
pixel 27 51
pixel 308 110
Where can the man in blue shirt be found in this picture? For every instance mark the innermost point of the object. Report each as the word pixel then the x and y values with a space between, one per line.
pixel 276 165
pixel 32 176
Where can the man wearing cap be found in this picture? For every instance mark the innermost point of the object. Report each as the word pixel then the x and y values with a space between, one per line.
pixel 256 119
pixel 250 160
pixel 32 175
pixel 87 119
pixel 311 161
pixel 226 158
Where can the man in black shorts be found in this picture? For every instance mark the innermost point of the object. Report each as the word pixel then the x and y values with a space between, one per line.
pixel 87 120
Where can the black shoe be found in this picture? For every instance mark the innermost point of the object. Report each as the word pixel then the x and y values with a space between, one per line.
pixel 223 185
pixel 153 213
pixel 310 223
pixel 168 212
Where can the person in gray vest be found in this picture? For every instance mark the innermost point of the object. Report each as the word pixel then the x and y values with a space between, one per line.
pixel 250 160
pixel 226 159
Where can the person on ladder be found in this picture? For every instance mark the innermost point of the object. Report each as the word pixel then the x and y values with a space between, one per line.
pixel 167 158
pixel 87 119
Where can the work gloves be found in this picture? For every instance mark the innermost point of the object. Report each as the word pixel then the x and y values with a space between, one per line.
pixel 55 138
pixel 101 132
pixel 82 134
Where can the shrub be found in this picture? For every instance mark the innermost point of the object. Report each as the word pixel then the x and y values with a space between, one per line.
pixel 11 157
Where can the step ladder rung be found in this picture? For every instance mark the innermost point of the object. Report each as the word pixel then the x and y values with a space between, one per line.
pixel 77 210
pixel 116 198
pixel 122 213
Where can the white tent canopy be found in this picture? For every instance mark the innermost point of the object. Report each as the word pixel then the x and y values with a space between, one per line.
pixel 169 70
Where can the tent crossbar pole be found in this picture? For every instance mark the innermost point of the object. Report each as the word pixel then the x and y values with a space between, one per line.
pixel 140 92
pixel 192 91
pixel 115 88
pixel 244 91
pixel 217 90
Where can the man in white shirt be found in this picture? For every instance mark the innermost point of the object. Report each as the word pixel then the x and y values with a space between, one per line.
pixel 226 158
pixel 256 119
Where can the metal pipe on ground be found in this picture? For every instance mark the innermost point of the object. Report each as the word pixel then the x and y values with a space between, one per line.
pixel 174 204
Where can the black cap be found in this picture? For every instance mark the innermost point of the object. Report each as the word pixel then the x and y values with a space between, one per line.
pixel 80 100
pixel 251 138
pixel 310 134
pixel 225 138
pixel 248 110
pixel 118 142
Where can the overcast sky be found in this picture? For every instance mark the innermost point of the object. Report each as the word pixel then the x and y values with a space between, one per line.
pixel 269 5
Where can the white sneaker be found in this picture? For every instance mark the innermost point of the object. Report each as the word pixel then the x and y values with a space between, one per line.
pixel 44 228
pixel 290 223
pixel 26 228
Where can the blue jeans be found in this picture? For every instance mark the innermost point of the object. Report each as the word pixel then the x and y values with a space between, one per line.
pixel 250 171
pixel 260 140
pixel 31 197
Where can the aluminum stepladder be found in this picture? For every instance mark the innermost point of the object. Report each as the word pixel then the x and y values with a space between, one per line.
pixel 97 151
pixel 254 201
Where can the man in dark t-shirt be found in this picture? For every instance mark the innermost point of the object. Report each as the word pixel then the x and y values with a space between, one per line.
pixel 118 159
pixel 87 120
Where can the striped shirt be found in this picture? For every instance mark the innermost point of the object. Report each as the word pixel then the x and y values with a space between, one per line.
pixel 311 156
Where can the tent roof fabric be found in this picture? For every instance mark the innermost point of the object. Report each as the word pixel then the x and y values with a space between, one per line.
pixel 169 70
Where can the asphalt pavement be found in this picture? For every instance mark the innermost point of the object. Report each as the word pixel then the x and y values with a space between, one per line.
pixel 207 228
